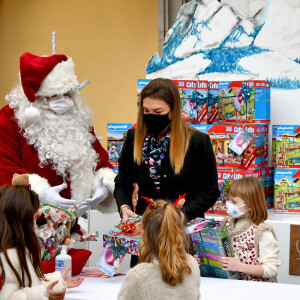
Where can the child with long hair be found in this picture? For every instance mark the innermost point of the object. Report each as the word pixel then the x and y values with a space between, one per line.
pixel 20 267
pixel 254 242
pixel 165 269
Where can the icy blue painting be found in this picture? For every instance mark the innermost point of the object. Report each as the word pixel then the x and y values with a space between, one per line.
pixel 215 41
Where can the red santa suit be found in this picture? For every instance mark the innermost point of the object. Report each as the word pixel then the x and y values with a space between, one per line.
pixel 37 144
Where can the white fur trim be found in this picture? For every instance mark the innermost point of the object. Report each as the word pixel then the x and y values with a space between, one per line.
pixel 108 179
pixel 60 80
pixel 109 205
pixel 38 184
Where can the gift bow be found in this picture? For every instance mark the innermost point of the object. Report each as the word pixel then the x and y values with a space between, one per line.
pixel 128 226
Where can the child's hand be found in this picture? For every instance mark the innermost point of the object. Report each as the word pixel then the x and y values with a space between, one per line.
pixel 55 295
pixel 197 259
pixel 231 263
pixel 71 282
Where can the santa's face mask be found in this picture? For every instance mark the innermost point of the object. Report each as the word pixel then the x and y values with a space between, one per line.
pixel 60 104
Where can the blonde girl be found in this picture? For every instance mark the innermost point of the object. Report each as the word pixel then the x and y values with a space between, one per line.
pixel 254 242
pixel 165 270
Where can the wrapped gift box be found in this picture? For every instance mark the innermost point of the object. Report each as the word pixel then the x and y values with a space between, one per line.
pixel 211 241
pixel 131 240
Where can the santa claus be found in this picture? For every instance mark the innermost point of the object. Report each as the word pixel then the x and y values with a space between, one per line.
pixel 46 132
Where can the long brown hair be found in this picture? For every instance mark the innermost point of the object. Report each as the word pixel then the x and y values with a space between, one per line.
pixel 251 191
pixel 166 90
pixel 164 238
pixel 18 205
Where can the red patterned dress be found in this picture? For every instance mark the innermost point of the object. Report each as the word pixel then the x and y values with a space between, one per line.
pixel 246 240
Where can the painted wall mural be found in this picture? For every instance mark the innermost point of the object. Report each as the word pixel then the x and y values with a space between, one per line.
pixel 215 41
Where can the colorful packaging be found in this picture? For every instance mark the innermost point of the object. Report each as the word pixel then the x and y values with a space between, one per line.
pixel 244 102
pixel 211 241
pixel 141 83
pixel 252 158
pixel 288 146
pixel 273 158
pixel 193 98
pixel 111 258
pixel 225 177
pixel 287 191
pixel 270 186
pixel 128 236
pixel 116 134
pixel 213 102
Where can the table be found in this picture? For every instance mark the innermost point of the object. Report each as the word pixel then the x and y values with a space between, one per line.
pixel 211 288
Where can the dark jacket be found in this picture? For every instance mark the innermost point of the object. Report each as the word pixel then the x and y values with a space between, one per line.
pixel 198 178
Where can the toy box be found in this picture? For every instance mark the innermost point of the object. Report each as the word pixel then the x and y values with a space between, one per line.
pixel 211 241
pixel 270 186
pixel 244 102
pixel 213 101
pixel 225 177
pixel 124 238
pixel 116 134
pixel 141 84
pixel 221 136
pixel 287 190
pixel 193 98
pixel 131 239
pixel 288 146
pixel 273 157
pixel 267 181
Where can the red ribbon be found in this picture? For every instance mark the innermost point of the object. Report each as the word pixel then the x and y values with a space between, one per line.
pixel 148 200
pixel 179 198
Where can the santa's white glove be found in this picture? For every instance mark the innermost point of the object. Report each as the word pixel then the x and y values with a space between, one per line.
pixel 100 195
pixel 52 197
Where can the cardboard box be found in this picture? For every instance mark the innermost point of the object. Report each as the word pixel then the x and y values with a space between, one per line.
pixel 193 98
pixel 225 177
pixel 213 102
pixel 244 102
pixel 116 135
pixel 211 241
pixel 253 157
pixel 287 146
pixel 287 190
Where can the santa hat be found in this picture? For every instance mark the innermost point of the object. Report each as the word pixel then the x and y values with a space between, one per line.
pixel 46 75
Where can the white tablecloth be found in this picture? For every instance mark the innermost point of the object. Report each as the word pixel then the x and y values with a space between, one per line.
pixel 210 289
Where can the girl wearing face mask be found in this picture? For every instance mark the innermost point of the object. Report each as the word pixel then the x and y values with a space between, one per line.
pixel 254 242
pixel 165 156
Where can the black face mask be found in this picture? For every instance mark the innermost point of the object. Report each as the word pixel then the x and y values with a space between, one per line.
pixel 157 123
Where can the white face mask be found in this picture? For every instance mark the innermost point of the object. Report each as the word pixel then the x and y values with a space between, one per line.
pixel 234 211
pixel 60 104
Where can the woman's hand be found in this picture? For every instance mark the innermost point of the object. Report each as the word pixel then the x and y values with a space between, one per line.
pixel 71 282
pixel 55 295
pixel 126 212
pixel 231 263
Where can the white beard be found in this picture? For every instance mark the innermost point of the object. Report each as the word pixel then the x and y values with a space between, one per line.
pixel 63 140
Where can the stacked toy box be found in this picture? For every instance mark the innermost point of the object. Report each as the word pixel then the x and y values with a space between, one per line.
pixel 116 134
pixel 286 157
pixel 211 241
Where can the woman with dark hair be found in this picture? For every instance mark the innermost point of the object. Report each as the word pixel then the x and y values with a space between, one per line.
pixel 20 267
pixel 165 156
